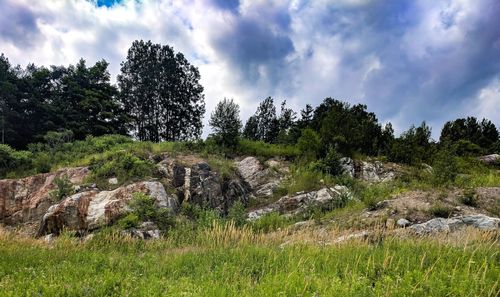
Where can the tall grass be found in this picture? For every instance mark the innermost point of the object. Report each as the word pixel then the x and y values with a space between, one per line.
pixel 228 261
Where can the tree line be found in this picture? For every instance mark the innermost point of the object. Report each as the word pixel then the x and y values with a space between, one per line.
pixel 337 128
pixel 159 97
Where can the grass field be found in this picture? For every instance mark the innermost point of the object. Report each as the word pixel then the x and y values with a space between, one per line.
pixel 226 261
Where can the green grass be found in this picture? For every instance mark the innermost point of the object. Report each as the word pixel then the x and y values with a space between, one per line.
pixel 232 263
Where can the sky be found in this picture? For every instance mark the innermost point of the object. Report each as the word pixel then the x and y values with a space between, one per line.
pixel 407 60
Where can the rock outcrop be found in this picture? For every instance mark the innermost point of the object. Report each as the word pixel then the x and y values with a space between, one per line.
pixel 368 171
pixel 303 201
pixel 86 211
pixel 199 184
pixel 26 200
pixel 479 221
pixel 261 180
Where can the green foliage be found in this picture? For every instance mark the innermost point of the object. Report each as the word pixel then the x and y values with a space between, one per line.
pixel 144 208
pixel 266 150
pixel 441 210
pixel 413 146
pixel 225 122
pixel 12 160
pixel 237 213
pixel 131 220
pixel 122 165
pixel 107 265
pixel 270 222
pixel 64 188
pixel 469 198
pixel 349 129
pixel 160 91
pixel 309 145
pixel 445 167
pixel 330 164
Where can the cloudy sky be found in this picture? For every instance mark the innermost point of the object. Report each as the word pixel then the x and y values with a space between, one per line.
pixel 408 60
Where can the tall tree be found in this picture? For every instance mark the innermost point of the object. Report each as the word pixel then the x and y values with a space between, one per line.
pixel 160 90
pixel 225 122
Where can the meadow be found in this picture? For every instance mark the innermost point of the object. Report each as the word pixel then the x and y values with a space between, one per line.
pixel 223 260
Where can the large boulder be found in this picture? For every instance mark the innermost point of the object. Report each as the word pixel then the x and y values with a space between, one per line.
pixel 27 199
pixel 490 159
pixel 375 172
pixel 302 201
pixel 208 189
pixel 478 221
pixel 90 210
pixel 261 180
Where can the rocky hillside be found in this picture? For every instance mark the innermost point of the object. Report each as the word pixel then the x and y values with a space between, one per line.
pixel 29 204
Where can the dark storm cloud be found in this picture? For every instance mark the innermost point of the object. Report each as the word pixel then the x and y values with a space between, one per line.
pixel 18 24
pixel 257 44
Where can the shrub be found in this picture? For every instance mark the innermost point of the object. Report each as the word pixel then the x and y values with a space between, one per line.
pixel 330 164
pixel 237 214
pixel 270 222
pixel 441 210
pixel 145 209
pixel 445 167
pixel 469 198
pixel 131 220
pixel 42 163
pixel 64 188
pixel 122 165
pixel 12 160
pixel 309 144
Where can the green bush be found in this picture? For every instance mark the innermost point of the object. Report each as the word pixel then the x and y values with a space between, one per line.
pixel 330 164
pixel 145 209
pixel 131 220
pixel 445 167
pixel 122 165
pixel 441 210
pixel 237 213
pixel 64 188
pixel 266 150
pixel 270 222
pixel 469 198
pixel 309 145
pixel 14 161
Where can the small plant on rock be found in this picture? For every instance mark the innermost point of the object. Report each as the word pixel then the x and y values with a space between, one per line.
pixel 469 198
pixel 64 188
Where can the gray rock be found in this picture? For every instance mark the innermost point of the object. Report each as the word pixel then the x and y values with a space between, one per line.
pixel 301 201
pixel 208 189
pixel 479 221
pixel 347 165
pixel 490 159
pixel 403 223
pixel 113 181
pixel 375 172
pixel 261 181
pixel 49 237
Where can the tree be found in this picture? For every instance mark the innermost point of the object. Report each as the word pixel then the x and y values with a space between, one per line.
pixel 263 125
pixel 225 122
pixel 286 123
pixel 251 128
pixel 268 124
pixel 413 146
pixel 160 91
pixel 483 134
pixel 306 116
pixel 348 129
